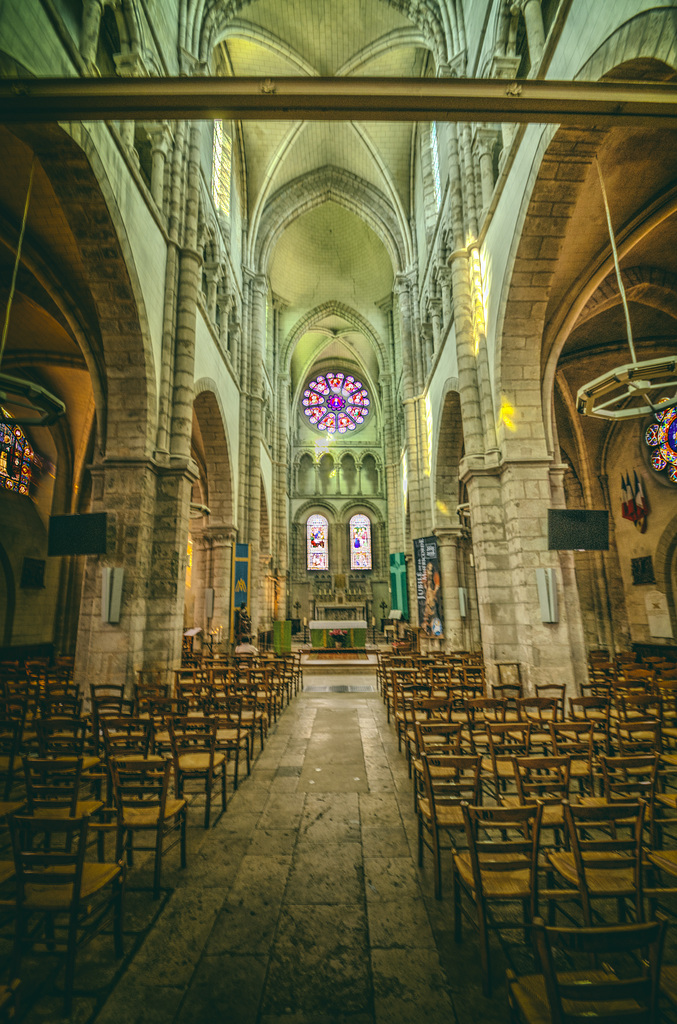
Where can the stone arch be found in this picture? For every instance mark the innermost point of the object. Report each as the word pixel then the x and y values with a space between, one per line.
pixel 348 473
pixel 369 474
pixel 209 412
pixel 447 455
pixel 204 26
pixel 306 323
pixel 665 568
pixel 125 367
pixel 536 244
pixel 334 184
pixel 650 285
pixel 305 473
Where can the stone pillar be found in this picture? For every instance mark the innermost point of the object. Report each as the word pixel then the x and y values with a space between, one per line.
pixel 448 539
pixel 533 19
pixel 486 139
pixel 160 136
pixel 413 440
pixel 444 282
pixel 259 293
pixel 505 67
pixel 213 272
pixel 147 506
pixel 225 304
pixel 92 12
pixel 129 65
pixel 190 269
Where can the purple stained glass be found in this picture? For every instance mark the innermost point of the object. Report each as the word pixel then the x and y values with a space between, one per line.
pixel 662 437
pixel 335 402
pixel 17 458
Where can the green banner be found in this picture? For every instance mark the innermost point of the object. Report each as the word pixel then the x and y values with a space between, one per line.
pixel 282 637
pixel 399 598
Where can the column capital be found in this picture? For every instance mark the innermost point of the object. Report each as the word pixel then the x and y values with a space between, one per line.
pixel 160 135
pixel 130 65
pixel 449 534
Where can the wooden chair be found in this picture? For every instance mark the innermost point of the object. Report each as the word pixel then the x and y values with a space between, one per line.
pixel 638 736
pixel 604 859
pixel 448 781
pixel 193 742
pixel 539 711
pixel 543 780
pixel 75 898
pixel 500 866
pixel 231 736
pixel 575 740
pixel 591 993
pixel 596 710
pixel 143 805
pixel 507 740
pixel 53 788
pixel 10 738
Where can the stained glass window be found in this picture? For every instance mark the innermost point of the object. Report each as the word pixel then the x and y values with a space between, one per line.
pixel 336 402
pixel 435 156
pixel 317 543
pixel 662 436
pixel 360 542
pixel 17 457
pixel 222 152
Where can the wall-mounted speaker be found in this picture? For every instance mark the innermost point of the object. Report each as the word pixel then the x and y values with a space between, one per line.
pixel 578 529
pixel 462 602
pixel 77 535
pixel 209 603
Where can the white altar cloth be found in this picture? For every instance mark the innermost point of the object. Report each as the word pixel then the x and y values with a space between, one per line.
pixel 338 624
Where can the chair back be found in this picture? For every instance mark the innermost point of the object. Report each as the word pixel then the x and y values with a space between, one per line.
pixel 542 779
pixel 438 736
pixel 52 785
pixel 61 737
pixel 140 788
pixel 49 855
pixel 631 995
pixel 127 736
pixel 450 780
pixel 504 841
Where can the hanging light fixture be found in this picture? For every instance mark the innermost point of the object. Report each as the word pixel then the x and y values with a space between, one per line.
pixel 38 406
pixel 630 391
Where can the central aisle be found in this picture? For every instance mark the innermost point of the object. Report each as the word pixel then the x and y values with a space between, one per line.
pixel 304 903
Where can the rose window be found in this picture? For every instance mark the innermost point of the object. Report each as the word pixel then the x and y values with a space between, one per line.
pixel 336 402
pixel 662 436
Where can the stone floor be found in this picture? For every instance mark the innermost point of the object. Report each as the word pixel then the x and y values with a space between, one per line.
pixel 303 904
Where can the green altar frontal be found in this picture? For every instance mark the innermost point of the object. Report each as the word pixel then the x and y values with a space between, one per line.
pixel 355 633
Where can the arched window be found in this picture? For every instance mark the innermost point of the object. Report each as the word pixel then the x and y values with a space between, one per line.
pixel 222 152
pixel 435 158
pixel 17 458
pixel 360 542
pixel 317 542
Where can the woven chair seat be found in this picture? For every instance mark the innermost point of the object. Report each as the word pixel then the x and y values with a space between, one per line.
pixel 8 807
pixel 553 814
pixel 137 817
pixel 94 878
pixel 82 808
pixel 7 870
pixel 199 762
pixel 601 882
pixel 530 995
pixel 666 860
pixel 446 817
pixel 510 884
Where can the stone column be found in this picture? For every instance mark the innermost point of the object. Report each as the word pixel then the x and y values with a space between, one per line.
pixel 533 19
pixel 160 136
pixel 259 294
pixel 486 139
pixel 92 12
pixel 147 539
pixel 225 304
pixel 435 305
pixel 213 272
pixel 505 67
pixel 129 65
pixel 412 433
pixel 448 539
pixel 444 282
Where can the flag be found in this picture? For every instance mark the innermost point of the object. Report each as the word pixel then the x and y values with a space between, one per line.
pixel 641 505
pixel 631 499
pixel 624 499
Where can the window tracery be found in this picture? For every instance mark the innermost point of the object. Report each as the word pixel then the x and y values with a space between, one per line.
pixel 18 459
pixel 336 402
pixel 360 542
pixel 317 542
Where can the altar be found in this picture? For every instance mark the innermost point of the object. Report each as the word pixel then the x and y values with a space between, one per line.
pixel 355 633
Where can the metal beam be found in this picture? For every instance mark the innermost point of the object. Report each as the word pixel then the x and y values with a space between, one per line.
pixel 585 104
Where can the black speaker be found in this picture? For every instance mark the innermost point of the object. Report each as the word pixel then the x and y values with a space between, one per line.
pixel 578 529
pixel 77 535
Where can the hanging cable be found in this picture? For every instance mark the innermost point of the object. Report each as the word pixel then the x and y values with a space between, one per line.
pixel 17 261
pixel 614 250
